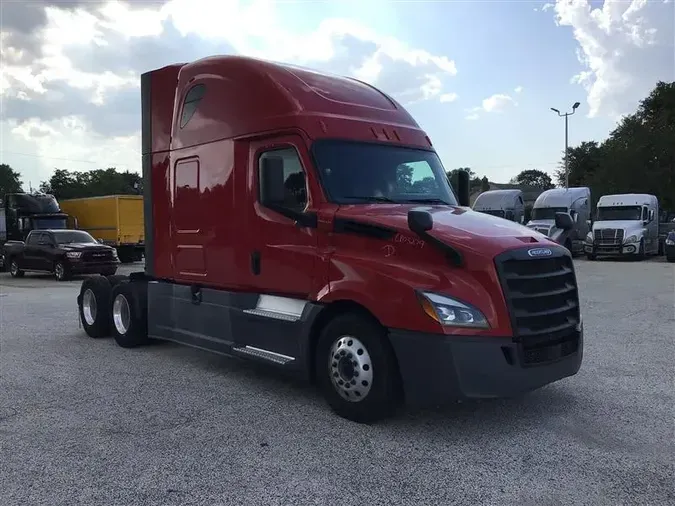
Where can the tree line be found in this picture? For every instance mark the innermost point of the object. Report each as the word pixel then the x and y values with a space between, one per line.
pixel 637 157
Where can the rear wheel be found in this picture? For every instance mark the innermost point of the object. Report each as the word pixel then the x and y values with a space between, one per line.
pixel 129 314
pixel 14 269
pixel 357 370
pixel 93 303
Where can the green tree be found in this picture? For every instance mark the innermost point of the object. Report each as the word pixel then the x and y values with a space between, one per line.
pixel 534 177
pixel 66 184
pixel 10 180
pixel 484 184
pixel 637 157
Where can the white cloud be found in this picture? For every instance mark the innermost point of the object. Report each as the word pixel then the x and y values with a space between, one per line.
pixel 518 89
pixel 547 7
pixel 624 48
pixel 93 54
pixel 449 97
pixel 497 102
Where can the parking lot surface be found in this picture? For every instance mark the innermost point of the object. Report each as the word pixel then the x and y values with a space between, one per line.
pixel 83 421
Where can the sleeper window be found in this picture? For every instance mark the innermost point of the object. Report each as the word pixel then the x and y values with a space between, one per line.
pixel 192 99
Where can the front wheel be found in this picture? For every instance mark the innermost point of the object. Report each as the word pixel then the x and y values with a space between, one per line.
pixel 61 272
pixel 641 250
pixel 356 369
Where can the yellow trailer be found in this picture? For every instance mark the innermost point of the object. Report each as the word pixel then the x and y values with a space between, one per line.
pixel 116 220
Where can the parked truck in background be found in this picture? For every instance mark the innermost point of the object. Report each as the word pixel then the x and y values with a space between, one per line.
pixel 22 212
pixel 574 201
pixel 625 225
pixel 507 204
pixel 305 221
pixel 115 220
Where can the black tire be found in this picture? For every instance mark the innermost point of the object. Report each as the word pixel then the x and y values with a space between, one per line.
pixel 116 279
pixel 14 269
pixel 382 395
pixel 134 296
pixel 641 250
pixel 125 255
pixel 670 259
pixel 590 256
pixel 98 324
pixel 61 271
pixel 109 272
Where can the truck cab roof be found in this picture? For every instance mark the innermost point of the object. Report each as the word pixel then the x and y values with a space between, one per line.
pixel 561 197
pixel 627 199
pixel 247 96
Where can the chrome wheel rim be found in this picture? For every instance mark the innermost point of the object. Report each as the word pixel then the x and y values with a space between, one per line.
pixel 13 268
pixel 89 306
pixel 59 271
pixel 121 314
pixel 350 368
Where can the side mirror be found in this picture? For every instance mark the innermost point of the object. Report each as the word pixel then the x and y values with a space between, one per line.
pixel 563 221
pixel 420 221
pixel 651 215
pixel 589 223
pixel 463 188
pixel 272 181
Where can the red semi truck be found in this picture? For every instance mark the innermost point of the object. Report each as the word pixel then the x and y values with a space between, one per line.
pixel 305 221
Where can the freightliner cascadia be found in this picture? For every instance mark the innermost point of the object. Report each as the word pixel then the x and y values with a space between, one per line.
pixel 305 221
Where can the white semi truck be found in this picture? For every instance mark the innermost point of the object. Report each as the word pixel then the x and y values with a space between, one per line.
pixel 625 224
pixel 573 201
pixel 507 204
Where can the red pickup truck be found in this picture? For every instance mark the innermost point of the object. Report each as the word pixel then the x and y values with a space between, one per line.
pixel 305 221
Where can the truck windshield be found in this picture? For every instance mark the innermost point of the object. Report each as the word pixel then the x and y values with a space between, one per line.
pixel 360 172
pixel 547 213
pixel 45 223
pixel 71 236
pixel 627 213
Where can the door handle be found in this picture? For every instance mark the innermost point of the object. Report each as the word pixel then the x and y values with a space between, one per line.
pixel 255 262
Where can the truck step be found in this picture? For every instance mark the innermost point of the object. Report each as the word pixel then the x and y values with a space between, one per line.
pixel 269 356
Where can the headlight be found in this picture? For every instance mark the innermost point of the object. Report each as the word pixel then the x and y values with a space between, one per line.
pixel 451 312
pixel 114 253
pixel 670 242
pixel 73 254
pixel 589 237
pixel 632 238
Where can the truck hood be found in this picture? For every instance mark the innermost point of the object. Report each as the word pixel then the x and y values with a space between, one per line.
pixel 546 227
pixel 84 246
pixel 460 227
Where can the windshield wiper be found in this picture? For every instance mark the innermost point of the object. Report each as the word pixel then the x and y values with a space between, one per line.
pixel 370 198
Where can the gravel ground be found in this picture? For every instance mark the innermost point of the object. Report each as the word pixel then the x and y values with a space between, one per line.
pixel 83 421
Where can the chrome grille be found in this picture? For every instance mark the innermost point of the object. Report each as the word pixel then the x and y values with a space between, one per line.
pixel 608 236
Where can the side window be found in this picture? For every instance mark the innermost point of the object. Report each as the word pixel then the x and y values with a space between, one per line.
pixel 416 177
pixel 295 183
pixel 186 200
pixel 192 99
pixel 520 200
pixel 645 213
pixel 34 239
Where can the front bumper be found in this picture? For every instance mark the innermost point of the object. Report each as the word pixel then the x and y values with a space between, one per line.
pixel 92 267
pixel 436 369
pixel 612 250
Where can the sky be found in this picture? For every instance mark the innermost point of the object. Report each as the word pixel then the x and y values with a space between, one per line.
pixel 479 76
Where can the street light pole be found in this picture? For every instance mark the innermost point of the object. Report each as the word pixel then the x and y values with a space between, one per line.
pixel 566 115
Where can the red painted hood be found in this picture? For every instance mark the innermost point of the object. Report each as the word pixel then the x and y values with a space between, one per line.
pixel 460 227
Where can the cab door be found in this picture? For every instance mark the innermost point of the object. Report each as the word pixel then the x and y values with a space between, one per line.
pixel 282 252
